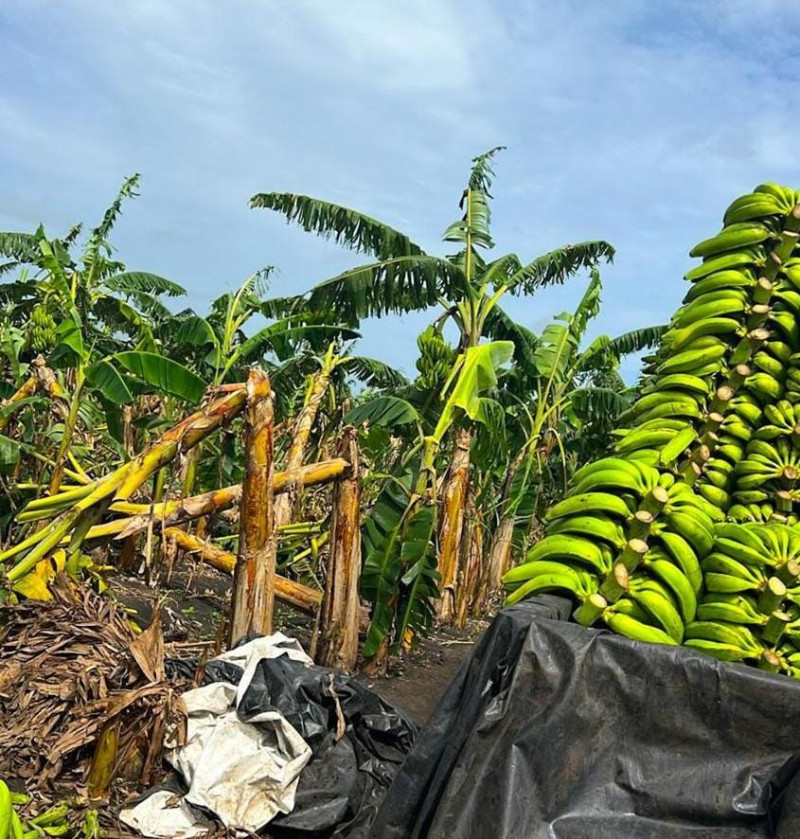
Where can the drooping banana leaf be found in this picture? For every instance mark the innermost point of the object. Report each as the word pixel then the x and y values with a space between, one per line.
pixel 383 411
pixel 164 374
pixel 475 372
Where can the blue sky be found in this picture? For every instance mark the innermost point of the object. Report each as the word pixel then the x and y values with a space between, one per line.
pixel 636 121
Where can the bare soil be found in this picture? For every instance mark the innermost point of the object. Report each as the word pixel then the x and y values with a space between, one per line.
pixel 195 598
pixel 417 681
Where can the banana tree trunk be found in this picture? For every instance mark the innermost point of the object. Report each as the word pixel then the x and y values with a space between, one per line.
pixel 476 563
pixel 466 562
pixel 339 624
pixel 124 481
pixel 454 493
pixel 499 557
pixel 128 430
pixel 301 434
pixel 253 596
pixel 302 597
pixel 52 387
pixel 185 509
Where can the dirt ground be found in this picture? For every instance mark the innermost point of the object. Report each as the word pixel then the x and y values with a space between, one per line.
pixel 196 597
pixel 416 681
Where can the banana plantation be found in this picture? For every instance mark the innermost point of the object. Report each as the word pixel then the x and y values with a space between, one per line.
pixel 332 495
pixel 138 434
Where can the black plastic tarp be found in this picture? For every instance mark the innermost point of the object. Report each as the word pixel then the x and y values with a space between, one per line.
pixel 553 730
pixel 358 741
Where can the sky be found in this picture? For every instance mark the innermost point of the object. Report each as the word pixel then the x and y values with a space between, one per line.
pixel 635 122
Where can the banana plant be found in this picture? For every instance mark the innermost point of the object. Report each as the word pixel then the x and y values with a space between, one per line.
pixel 404 278
pixel 561 404
pixel 400 577
pixel 315 377
pixel 93 288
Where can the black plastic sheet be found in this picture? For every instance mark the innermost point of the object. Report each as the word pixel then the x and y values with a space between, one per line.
pixel 553 730
pixel 358 741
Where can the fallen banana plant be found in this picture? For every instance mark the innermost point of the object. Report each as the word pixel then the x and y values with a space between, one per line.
pixel 302 597
pixel 122 483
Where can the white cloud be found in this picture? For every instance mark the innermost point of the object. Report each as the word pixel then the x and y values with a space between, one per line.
pixel 625 120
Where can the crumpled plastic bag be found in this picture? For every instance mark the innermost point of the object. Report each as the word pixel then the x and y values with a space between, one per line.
pixel 244 771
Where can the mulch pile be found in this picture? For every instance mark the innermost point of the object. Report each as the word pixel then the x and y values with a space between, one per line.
pixel 72 673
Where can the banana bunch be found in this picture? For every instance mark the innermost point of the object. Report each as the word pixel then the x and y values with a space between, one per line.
pixel 686 533
pixel 436 357
pixel 41 329
pixel 52 822
pixel 749 612
pixel 626 544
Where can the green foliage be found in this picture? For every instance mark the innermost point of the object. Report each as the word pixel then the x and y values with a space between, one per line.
pixel 399 573
pixel 383 411
pixel 163 374
pixel 346 227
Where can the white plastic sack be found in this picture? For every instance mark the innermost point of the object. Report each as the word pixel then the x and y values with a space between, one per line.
pixel 245 773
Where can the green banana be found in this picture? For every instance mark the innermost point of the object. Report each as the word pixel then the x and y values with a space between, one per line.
pixel 679 339
pixel 678 583
pixel 738 533
pixel 783 195
pixel 718 308
pixel 753 206
pixel 679 443
pixel 692 529
pixel 715 495
pixel 694 360
pixel 528 570
pixel 649 438
pixel 721 563
pixel 595 527
pixel 680 381
pixel 684 557
pixel 765 386
pixel 731 238
pixel 636 630
pixel 729 613
pixel 571 548
pixel 610 479
pixel 592 502
pixel 737 259
pixel 734 635
pixel 787 323
pixel 743 552
pixel 723 652
pixel 727 584
pixel 653 400
pixel 544 583
pixel 747 408
pixel 768 364
pixel 660 608
pixel 779 350
pixel 733 426
pixel 734 279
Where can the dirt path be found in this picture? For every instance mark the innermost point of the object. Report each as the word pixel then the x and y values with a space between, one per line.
pixel 417 681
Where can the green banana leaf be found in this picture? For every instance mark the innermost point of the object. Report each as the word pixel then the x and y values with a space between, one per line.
pixel 163 373
pixel 384 412
pixel 105 378
pixel 475 372
pixel 419 585
pixel 195 331
pixel 395 537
